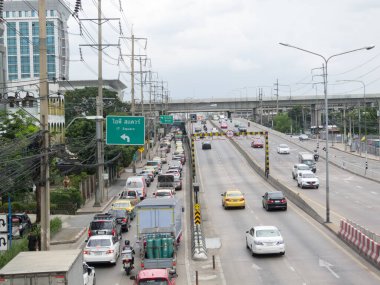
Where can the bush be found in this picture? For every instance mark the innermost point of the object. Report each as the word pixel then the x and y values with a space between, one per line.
pixel 17 246
pixel 55 226
pixel 18 207
pixel 66 196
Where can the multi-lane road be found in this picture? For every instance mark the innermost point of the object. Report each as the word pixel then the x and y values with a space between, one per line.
pixel 313 254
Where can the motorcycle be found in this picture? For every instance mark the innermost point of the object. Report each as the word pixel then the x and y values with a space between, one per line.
pixel 127 259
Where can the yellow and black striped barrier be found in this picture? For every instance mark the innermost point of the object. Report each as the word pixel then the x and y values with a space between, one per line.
pixel 197 214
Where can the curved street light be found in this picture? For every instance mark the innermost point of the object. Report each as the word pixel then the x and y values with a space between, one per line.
pixel 326 60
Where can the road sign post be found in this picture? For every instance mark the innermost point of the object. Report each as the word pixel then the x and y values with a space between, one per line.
pixel 164 119
pixel 230 133
pixel 125 130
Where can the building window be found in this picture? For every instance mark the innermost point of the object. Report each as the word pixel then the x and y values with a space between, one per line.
pixel 34 14
pixel 35 29
pixel 52 13
pixel 11 29
pixel 24 28
pixel 12 77
pixel 7 14
pixel 49 28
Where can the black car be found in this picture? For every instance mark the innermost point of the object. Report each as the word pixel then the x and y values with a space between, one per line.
pixel 104 224
pixel 274 200
pixel 21 224
pixel 122 218
pixel 206 145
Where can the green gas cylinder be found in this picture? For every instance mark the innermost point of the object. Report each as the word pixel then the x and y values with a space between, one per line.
pixel 165 248
pixel 157 247
pixel 149 248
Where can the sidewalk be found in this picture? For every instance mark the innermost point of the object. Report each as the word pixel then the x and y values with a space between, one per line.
pixel 71 234
pixel 340 146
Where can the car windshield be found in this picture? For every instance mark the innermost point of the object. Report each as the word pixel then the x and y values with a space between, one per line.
pixel 101 225
pixel 152 163
pixel 134 184
pixel 303 168
pixel 283 146
pixel 267 233
pixel 99 242
pixel 234 194
pixel 117 213
pixel 122 205
pixel 162 193
pixel 308 175
pixel 276 195
pixel 308 162
pixel 156 281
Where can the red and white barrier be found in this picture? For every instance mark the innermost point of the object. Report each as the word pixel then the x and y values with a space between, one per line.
pixel 343 228
pixel 358 240
pixel 348 233
pixel 371 246
pixel 365 246
pixel 375 252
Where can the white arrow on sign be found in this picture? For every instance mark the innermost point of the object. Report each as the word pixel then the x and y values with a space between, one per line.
pixel 125 137
pixel 3 241
pixel 323 263
pixel 3 223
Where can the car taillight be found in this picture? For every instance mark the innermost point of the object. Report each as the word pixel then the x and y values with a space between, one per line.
pixel 124 220
pixel 241 199
pixel 270 201
pixel 113 232
pixel 228 200
pixel 142 265
pixel 110 251
pixel 283 200
pixel 86 251
pixel 89 232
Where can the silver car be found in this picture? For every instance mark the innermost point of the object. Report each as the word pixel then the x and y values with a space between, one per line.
pixel 102 249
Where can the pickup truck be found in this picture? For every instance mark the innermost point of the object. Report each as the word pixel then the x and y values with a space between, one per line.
pixel 299 168
pixel 155 276
pixel 307 179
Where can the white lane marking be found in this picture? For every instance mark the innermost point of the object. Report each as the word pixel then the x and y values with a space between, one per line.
pixel 207 266
pixel 323 263
pixel 217 259
pixel 373 192
pixel 359 187
pixel 292 268
pixel 256 267
pixel 206 278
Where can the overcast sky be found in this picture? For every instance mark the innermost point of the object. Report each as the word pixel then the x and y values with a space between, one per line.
pixel 224 48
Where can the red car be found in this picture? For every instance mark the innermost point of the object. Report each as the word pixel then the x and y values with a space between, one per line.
pixel 257 143
pixel 223 125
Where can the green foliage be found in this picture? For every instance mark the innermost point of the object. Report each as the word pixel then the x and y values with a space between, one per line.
pixel 17 246
pixel 66 196
pixel 282 123
pixel 55 225
pixel 19 207
pixel 17 125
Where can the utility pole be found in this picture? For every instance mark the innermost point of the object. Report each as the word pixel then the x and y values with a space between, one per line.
pixel 133 79
pixel 44 115
pixel 141 88
pixel 99 192
pixel 99 112
pixel 276 89
pixel 261 105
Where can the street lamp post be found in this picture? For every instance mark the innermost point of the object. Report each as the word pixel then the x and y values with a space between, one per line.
pixel 326 60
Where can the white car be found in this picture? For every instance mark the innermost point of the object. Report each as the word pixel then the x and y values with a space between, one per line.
pixel 299 168
pixel 88 274
pixel 303 137
pixel 307 179
pixel 164 193
pixel 102 249
pixel 283 149
pixel 265 240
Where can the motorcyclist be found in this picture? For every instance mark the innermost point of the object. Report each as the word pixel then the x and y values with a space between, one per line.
pixel 249 124
pixel 316 155
pixel 127 245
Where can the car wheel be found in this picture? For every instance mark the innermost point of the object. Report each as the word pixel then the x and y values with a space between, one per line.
pixel 301 186
pixel 263 204
pixel 282 253
pixel 266 207
pixel 243 207
pixel 246 243
pixel 285 208
pixel 298 185
pixel 253 254
pixel 317 187
pixel 293 176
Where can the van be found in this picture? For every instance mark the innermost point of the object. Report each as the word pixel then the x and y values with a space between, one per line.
pixel 137 183
pixel 308 159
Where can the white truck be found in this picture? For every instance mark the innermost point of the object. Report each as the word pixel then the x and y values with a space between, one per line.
pixel 56 267
pixel 308 159
pixel 159 231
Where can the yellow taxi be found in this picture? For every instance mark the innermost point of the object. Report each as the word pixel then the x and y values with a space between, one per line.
pixel 125 204
pixel 233 199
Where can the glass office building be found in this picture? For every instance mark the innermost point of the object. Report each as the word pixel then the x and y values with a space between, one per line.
pixel 21 39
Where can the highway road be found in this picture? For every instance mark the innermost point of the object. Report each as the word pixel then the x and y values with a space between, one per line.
pixel 351 196
pixel 313 254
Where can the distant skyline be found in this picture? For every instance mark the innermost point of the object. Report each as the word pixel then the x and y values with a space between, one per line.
pixel 220 48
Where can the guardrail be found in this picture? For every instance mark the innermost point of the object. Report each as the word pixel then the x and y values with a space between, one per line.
pixel 337 161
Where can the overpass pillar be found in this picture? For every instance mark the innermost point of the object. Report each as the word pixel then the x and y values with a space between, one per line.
pixel 316 116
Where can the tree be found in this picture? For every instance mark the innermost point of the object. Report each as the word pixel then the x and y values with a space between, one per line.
pixel 20 144
pixel 282 122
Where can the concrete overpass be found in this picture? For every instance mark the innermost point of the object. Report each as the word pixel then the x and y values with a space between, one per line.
pixel 316 104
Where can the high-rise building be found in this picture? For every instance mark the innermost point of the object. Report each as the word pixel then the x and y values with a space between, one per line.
pixel 21 39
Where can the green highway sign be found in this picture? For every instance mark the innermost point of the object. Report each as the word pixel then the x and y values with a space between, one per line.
pixel 125 130
pixel 166 119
